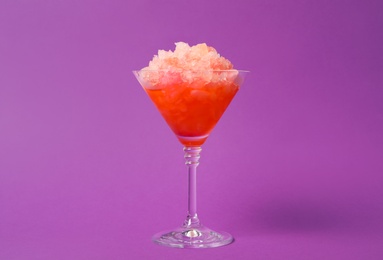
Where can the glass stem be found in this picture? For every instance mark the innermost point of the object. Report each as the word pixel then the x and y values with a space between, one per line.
pixel 192 160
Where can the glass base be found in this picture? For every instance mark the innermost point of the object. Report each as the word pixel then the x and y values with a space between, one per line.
pixel 195 237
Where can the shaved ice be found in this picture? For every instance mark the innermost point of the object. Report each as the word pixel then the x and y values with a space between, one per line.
pixel 190 65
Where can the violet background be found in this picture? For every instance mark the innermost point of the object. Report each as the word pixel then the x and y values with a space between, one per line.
pixel 89 169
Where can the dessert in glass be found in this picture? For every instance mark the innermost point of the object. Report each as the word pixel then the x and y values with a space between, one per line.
pixel 191 88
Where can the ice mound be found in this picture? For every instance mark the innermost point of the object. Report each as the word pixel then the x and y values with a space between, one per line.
pixel 195 65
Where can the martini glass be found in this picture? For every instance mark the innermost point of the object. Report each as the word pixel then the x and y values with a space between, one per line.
pixel 191 102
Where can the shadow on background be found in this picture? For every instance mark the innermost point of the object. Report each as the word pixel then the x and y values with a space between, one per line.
pixel 298 216
pixel 302 217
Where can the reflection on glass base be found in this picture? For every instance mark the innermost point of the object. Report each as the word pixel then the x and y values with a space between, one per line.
pixel 196 237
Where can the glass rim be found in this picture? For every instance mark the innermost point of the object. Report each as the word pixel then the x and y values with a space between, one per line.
pixel 162 70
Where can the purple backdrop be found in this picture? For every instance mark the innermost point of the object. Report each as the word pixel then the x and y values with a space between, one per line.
pixel 89 169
